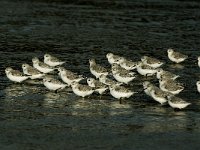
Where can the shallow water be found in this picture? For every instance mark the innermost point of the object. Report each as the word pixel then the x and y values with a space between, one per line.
pixel 31 117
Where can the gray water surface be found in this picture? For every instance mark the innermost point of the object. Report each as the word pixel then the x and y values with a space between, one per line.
pixel 31 117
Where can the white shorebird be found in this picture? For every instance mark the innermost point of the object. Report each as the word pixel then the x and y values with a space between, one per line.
pixel 150 61
pixel 96 69
pixel 169 81
pixel 68 76
pixel 121 74
pixel 114 58
pixel 128 64
pixel 103 79
pixel 198 61
pixel 176 102
pixel 145 70
pixel 170 86
pixel 63 70
pixel 120 92
pixel 53 84
pixel 52 61
pixel 99 87
pixel 81 90
pixel 198 86
pixel 176 57
pixel 124 77
pixel 158 95
pixel 42 67
pixel 15 75
pixel 147 86
pixel 32 72
pixel 115 68
pixel 165 74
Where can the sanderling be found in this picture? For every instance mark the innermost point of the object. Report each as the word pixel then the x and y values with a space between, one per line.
pixel 158 95
pixel 115 68
pixel 32 72
pixel 121 74
pixel 169 81
pixel 42 67
pixel 199 61
pixel 166 74
pixel 15 75
pixel 99 86
pixel 123 77
pixel 147 86
pixel 176 102
pixel 96 69
pixel 150 61
pixel 145 70
pixel 176 57
pixel 120 91
pixel 128 64
pixel 170 86
pixel 53 84
pixel 52 61
pixel 113 58
pixel 63 70
pixel 198 86
pixel 68 76
pixel 81 90
pixel 103 79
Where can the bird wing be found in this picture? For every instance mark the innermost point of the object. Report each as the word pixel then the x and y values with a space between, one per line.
pixel 178 55
pixel 43 65
pixel 151 60
pixel 16 72
pixel 33 71
pixel 54 59
pixel 99 68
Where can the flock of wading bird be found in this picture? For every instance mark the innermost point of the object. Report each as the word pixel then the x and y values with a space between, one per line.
pixel 121 74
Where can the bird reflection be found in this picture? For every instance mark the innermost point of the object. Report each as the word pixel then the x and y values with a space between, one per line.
pixel 89 106
pixel 17 90
pixel 52 99
pixel 81 106
pixel 176 66
pixel 14 90
pixel 115 108
pixel 95 106
pixel 169 121
pixel 19 96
